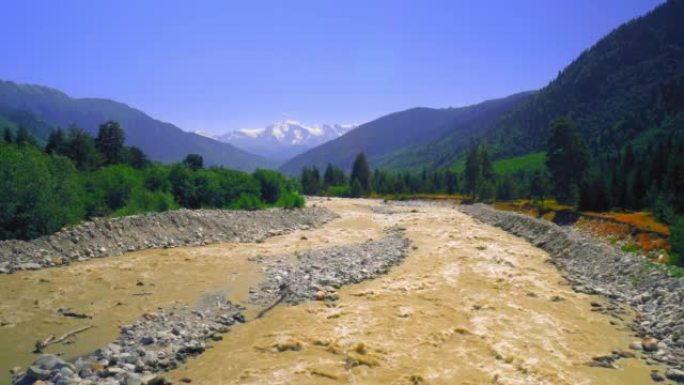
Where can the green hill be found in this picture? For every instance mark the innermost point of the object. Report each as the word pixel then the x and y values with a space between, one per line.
pixel 384 140
pixel 615 92
pixel 21 103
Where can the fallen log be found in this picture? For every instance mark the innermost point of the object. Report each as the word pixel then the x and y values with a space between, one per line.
pixel 284 291
pixel 42 344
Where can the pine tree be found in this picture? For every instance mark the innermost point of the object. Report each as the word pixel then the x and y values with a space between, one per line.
pixel 356 189
pixel 361 173
pixel 473 170
pixel 55 144
pixel 7 135
pixel 567 158
pixel 110 142
pixel 24 137
pixel 194 161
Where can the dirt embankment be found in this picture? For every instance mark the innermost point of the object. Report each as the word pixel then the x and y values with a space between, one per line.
pixel 596 268
pixel 115 236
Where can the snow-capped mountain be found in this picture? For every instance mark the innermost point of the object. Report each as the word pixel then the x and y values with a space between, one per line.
pixel 283 140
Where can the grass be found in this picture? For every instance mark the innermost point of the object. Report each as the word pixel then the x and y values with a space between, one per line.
pixel 631 248
pixel 530 162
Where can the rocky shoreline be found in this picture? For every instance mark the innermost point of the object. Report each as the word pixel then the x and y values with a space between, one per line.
pixel 315 274
pixel 163 340
pixel 593 267
pixel 114 236
pixel 160 341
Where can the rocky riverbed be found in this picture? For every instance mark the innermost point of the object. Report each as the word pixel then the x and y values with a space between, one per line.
pixel 408 292
pixel 316 274
pixel 162 340
pixel 594 267
pixel 114 236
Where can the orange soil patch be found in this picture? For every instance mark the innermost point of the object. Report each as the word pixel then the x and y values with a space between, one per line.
pixel 650 235
pixel 641 220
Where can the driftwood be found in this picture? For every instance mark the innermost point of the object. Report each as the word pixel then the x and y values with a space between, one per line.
pixel 41 345
pixel 284 291
pixel 143 293
pixel 69 313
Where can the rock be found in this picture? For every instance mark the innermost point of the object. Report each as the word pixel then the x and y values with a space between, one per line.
pixel 649 344
pixel 50 362
pixel 635 345
pixel 133 379
pixel 657 377
pixel 105 237
pixel 29 266
pixel 675 375
pixel 626 354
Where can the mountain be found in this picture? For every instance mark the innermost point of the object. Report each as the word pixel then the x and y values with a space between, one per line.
pixel 161 141
pixel 284 140
pixel 403 130
pixel 616 92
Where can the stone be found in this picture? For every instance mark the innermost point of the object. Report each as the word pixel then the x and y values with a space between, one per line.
pixel 675 375
pixel 49 362
pixel 133 379
pixel 657 377
pixel 29 266
pixel 649 344
pixel 635 345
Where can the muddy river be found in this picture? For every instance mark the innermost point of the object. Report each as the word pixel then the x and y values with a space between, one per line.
pixel 471 304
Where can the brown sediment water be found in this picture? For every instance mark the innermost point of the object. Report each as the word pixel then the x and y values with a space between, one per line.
pixel 119 290
pixel 471 304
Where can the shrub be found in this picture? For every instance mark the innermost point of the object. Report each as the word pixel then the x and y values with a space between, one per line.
pixel 142 201
pixel 39 193
pixel 272 185
pixel 677 241
pixel 247 202
pixel 339 191
pixel 290 200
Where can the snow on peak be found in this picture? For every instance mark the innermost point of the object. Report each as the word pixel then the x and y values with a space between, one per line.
pixel 290 132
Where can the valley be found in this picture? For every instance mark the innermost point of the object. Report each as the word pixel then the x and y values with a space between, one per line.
pixel 469 304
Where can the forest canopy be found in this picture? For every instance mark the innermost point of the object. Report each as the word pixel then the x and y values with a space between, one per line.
pixel 76 176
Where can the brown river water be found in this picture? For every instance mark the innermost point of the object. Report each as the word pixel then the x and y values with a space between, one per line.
pixel 471 304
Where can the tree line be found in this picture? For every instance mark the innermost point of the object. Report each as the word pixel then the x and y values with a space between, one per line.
pixel 77 176
pixel 648 174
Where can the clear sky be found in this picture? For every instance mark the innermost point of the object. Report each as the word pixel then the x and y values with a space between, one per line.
pixel 223 65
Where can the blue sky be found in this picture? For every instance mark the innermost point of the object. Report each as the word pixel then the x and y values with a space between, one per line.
pixel 223 65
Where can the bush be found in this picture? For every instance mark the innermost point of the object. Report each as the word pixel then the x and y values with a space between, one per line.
pixel 290 200
pixel 246 202
pixel 662 208
pixel 339 191
pixel 142 201
pixel 109 189
pixel 677 241
pixel 272 185
pixel 39 194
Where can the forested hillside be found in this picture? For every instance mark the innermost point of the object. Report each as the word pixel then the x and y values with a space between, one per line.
pixel 161 141
pixel 617 91
pixel 77 176
pixel 606 134
pixel 383 139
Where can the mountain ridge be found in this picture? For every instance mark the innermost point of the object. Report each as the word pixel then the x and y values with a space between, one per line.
pixel 399 130
pixel 162 141
pixel 285 139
